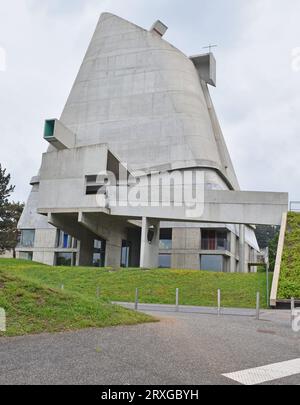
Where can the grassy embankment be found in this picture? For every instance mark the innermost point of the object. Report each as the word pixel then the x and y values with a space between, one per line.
pixel 289 282
pixel 156 286
pixel 33 307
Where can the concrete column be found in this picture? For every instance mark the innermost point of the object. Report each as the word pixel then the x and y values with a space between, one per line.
pixel 149 250
pixel 232 263
pixel 86 250
pixel 242 255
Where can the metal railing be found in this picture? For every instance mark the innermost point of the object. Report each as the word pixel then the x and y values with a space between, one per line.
pixel 295 206
pixel 176 307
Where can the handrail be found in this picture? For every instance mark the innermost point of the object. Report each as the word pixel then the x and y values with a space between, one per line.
pixel 276 277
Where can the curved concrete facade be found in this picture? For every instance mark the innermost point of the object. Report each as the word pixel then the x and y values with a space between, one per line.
pixel 144 98
pixel 138 99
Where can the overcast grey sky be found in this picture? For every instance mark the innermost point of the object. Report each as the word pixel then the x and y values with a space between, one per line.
pixel 257 96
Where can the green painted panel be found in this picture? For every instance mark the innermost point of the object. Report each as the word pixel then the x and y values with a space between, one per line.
pixel 49 128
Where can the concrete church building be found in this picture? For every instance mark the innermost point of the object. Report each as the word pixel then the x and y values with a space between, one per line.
pixel 140 102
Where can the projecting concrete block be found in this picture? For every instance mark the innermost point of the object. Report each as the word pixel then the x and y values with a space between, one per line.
pixel 206 68
pixel 58 135
pixel 159 28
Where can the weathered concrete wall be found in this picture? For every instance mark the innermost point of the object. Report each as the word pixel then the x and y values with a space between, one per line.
pixel 143 97
pixel 186 248
pixel 63 177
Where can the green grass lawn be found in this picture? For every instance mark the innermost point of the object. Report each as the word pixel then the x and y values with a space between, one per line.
pixel 156 286
pixel 289 282
pixel 32 307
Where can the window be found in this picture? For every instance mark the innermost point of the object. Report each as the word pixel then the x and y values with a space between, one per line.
pixel 164 261
pixel 165 242
pixel 95 184
pixel 99 253
pixel 26 255
pixel 27 238
pixel 214 240
pixel 65 259
pixel 125 254
pixel 212 263
pixel 65 241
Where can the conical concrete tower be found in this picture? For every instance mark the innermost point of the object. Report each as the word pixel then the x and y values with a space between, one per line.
pixel 148 101
pixel 150 104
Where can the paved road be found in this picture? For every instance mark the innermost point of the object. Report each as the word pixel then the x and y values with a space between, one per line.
pixel 183 348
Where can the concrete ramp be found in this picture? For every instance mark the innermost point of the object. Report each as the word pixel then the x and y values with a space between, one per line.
pixel 286 281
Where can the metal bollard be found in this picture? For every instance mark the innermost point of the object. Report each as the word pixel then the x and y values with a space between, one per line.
pixel 257 306
pixel 219 302
pixel 177 299
pixel 136 304
pixel 292 310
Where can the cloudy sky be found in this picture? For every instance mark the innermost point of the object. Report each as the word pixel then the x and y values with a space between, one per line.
pixel 42 43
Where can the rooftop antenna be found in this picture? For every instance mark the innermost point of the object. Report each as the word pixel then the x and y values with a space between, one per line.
pixel 210 46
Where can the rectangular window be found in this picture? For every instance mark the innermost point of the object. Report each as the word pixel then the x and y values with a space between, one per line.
pixel 99 253
pixel 95 185
pixel 165 242
pixel 26 255
pixel 27 238
pixel 65 241
pixel 65 259
pixel 214 240
pixel 165 261
pixel 212 263
pixel 125 254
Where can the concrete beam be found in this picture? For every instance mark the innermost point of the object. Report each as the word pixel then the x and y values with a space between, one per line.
pixel 231 207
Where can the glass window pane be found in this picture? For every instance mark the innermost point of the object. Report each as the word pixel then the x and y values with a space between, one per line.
pixel 66 241
pixel 99 253
pixel 27 237
pixel 64 259
pixel 165 261
pixel 212 263
pixel 165 242
pixel 26 255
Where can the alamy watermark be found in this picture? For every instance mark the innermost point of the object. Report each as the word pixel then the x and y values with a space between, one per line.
pixel 296 320
pixel 181 190
pixel 3 59
pixel 295 55
pixel 2 320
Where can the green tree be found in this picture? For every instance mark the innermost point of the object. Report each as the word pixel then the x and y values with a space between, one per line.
pixel 10 213
pixel 273 244
pixel 265 234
